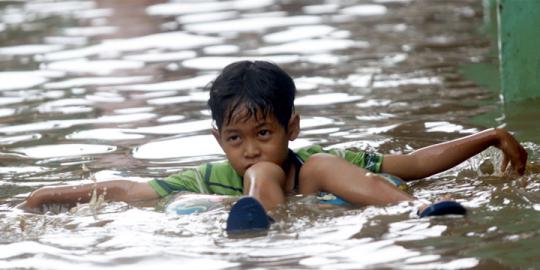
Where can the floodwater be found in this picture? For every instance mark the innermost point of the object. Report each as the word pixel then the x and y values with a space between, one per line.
pixel 115 89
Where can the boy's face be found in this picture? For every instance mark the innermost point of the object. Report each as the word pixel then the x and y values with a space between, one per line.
pixel 247 141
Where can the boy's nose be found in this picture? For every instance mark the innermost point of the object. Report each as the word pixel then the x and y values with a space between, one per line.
pixel 251 150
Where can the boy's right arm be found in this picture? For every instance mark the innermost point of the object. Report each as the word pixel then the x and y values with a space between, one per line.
pixel 113 190
pixel 440 157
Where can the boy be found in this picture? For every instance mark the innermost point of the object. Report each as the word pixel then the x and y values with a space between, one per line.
pixel 252 104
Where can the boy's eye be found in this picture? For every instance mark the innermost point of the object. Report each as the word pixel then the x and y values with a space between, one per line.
pixel 233 138
pixel 264 132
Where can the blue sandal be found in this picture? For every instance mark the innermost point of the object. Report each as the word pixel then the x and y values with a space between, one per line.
pixel 444 208
pixel 248 215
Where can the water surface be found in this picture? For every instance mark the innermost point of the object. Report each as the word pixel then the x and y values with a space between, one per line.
pixel 116 89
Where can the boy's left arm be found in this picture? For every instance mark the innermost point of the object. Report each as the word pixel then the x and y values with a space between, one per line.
pixel 440 157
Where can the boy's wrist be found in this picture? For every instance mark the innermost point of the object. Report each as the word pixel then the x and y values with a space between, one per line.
pixel 499 135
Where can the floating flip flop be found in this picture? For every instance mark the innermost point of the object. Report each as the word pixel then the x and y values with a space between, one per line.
pixel 248 215
pixel 444 208
pixel 329 198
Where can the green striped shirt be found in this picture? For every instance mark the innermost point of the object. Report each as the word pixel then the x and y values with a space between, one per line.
pixel 220 177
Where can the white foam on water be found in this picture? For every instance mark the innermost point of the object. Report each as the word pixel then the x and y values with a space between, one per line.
pixel 392 60
pixel 462 263
pixel 325 99
pixel 22 170
pixel 324 58
pixel 61 124
pixel 94 13
pixel 170 9
pixel 15 80
pixel 67 110
pixel 443 126
pixel 221 49
pixel 168 40
pixel 312 46
pixel 124 118
pixel 310 122
pixel 66 106
pixel 171 118
pixel 63 40
pixel 185 84
pixel 6 112
pixel 66 102
pixel 299 32
pixel 380 129
pixel 161 57
pixel 181 147
pixel 29 49
pixel 371 103
pixel 256 24
pixel 95 81
pixel 311 83
pixel 192 97
pixel 206 17
pixel 219 62
pixel 358 80
pixel 365 10
pixel 106 134
pixel 177 128
pixel 320 131
pixel 407 81
pixel 400 27
pixel 392 1
pixel 320 9
pixel 193 146
pixel 20 138
pixel 90 31
pixel 60 8
pixel 64 150
pixel 105 97
pixel 380 252
pixel 409 230
pixel 98 67
pixel 134 110
pixel 11 100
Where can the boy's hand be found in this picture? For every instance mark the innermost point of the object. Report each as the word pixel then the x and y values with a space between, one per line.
pixel 31 203
pixel 513 152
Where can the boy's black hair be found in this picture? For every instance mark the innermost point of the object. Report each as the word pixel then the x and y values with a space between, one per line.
pixel 259 86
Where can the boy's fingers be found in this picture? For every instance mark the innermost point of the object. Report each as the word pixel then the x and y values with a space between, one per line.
pixel 504 163
pixel 518 159
pixel 521 162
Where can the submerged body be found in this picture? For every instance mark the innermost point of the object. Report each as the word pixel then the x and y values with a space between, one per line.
pixel 190 203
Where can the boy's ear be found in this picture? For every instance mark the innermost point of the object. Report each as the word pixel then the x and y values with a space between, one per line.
pixel 294 127
pixel 217 135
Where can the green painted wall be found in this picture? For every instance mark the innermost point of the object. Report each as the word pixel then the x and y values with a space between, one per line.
pixel 519 46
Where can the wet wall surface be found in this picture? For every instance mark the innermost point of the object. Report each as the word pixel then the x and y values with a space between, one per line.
pixel 116 89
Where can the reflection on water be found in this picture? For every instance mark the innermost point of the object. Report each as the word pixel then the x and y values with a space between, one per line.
pixel 117 90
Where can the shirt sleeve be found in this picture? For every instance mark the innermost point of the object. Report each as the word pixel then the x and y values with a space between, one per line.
pixel 366 160
pixel 369 161
pixel 190 180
